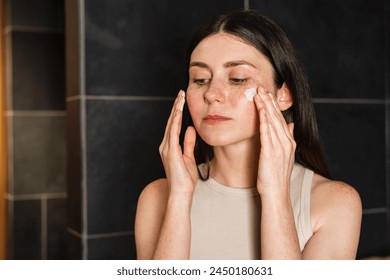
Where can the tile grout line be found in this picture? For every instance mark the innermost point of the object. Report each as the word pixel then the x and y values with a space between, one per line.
pixel 22 197
pixel 34 113
pixel 101 235
pixel 84 186
pixel 246 5
pixel 9 71
pixel 375 210
pixel 10 146
pixel 75 233
pixel 121 98
pixel 387 111
pixel 111 234
pixel 23 28
pixel 44 228
pixel 348 101
pixel 171 98
pixel 10 154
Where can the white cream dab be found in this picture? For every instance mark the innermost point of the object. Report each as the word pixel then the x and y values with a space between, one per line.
pixel 250 93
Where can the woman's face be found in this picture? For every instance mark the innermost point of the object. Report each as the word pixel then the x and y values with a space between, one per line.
pixel 222 68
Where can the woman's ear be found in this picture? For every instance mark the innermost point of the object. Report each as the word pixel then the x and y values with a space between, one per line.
pixel 284 97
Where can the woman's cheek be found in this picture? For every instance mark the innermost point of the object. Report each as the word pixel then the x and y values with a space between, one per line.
pixel 192 105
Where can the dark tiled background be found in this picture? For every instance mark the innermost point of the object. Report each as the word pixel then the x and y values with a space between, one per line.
pixel 341 43
pixel 115 117
pixel 122 37
pixel 121 168
pixel 38 67
pixel 36 117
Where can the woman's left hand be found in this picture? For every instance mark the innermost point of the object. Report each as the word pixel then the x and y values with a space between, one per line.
pixel 277 150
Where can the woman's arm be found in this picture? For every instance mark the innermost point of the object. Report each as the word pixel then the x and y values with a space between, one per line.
pixel 279 239
pixel 335 207
pixel 336 212
pixel 162 224
pixel 163 227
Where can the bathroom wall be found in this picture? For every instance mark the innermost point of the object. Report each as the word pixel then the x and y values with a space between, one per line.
pixel 124 61
pixel 344 46
pixel 125 65
pixel 35 115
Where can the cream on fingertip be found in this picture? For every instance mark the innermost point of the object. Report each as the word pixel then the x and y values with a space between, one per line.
pixel 183 94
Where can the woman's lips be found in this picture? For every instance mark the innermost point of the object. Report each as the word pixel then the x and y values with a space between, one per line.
pixel 214 119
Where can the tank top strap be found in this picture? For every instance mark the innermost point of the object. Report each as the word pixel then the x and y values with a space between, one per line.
pixel 305 220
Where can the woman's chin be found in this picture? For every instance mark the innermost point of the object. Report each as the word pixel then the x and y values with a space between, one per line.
pixel 216 141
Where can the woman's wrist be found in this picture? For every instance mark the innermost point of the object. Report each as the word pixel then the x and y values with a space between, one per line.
pixel 181 200
pixel 275 191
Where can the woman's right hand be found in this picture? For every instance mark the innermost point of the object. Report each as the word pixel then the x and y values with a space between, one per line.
pixel 180 166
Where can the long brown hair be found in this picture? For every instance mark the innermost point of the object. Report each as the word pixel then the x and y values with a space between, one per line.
pixel 267 37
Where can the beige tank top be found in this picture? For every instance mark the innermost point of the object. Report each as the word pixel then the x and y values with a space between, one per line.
pixel 225 221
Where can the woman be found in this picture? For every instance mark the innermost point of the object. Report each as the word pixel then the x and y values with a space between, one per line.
pixel 251 181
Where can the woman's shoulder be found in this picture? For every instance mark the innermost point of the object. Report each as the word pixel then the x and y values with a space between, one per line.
pixel 156 191
pixel 152 203
pixel 331 199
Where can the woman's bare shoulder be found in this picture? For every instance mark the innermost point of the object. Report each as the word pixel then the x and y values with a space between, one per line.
pixel 331 199
pixel 155 192
pixel 150 213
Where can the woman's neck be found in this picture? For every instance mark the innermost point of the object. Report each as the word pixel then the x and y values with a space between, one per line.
pixel 236 165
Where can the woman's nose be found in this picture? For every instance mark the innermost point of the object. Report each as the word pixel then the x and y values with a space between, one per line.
pixel 216 92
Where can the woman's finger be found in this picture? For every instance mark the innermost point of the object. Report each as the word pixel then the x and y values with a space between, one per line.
pixel 175 127
pixel 265 133
pixel 274 114
pixel 189 143
pixel 173 111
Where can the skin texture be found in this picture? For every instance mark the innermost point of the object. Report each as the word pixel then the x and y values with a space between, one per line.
pixel 253 146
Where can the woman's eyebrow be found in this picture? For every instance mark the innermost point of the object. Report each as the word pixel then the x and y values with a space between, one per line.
pixel 228 64
pixel 237 63
pixel 199 64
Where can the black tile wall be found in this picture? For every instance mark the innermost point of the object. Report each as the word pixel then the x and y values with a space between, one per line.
pixel 38 79
pixel 341 43
pixel 35 88
pixel 37 13
pixel 343 48
pixel 56 229
pixel 72 30
pixel 373 236
pixel 39 155
pixel 111 248
pixel 74 165
pixel 27 230
pixel 122 153
pixel 133 49
pixel 354 139
pixel 74 247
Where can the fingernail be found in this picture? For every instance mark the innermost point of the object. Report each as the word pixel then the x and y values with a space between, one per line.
pixel 183 94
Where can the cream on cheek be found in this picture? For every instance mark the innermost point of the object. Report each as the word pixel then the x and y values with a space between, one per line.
pixel 250 93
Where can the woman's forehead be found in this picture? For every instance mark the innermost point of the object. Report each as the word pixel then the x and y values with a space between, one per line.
pixel 224 48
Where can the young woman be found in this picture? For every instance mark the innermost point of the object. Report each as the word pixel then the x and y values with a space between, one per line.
pixel 251 181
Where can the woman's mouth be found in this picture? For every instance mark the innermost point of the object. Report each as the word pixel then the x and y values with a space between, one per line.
pixel 215 119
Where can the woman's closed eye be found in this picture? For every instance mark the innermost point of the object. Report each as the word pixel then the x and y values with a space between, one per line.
pixel 238 81
pixel 201 82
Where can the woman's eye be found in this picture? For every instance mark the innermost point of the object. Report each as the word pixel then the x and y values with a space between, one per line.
pixel 238 81
pixel 201 82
